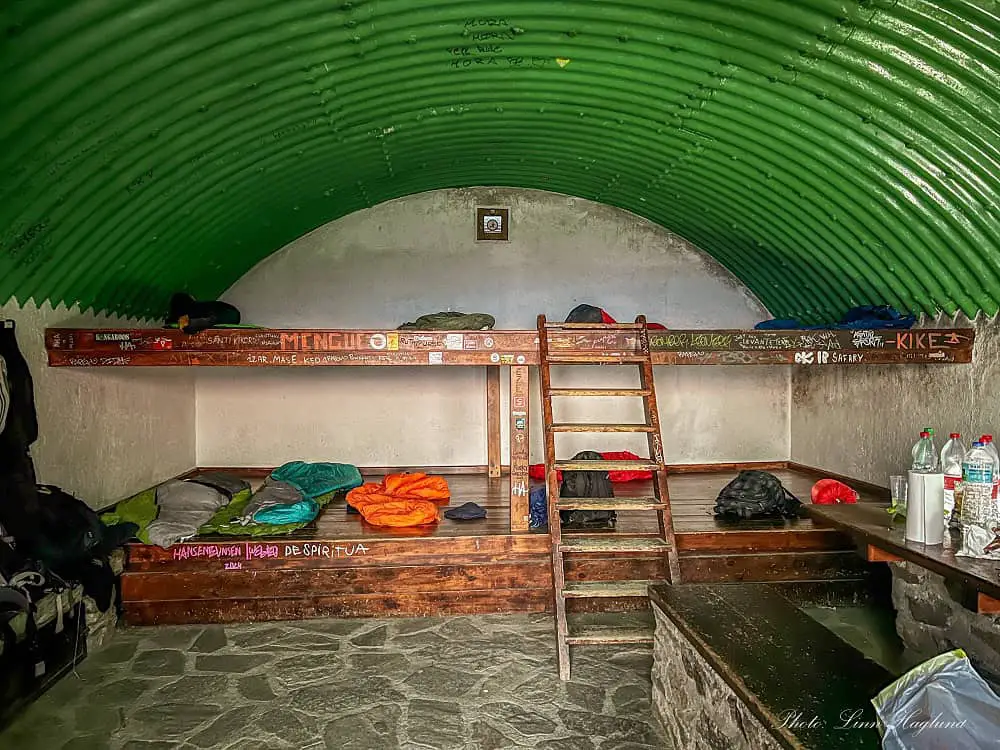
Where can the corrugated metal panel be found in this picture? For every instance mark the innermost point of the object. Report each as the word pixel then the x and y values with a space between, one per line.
pixel 828 152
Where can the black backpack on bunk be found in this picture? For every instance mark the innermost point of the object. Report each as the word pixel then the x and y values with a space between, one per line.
pixel 587 484
pixel 756 494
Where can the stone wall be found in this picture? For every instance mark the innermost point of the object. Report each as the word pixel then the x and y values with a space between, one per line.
pixel 930 620
pixel 693 705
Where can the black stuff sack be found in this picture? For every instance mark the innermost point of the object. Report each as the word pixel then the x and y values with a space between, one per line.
pixel 192 316
pixel 587 484
pixel 756 494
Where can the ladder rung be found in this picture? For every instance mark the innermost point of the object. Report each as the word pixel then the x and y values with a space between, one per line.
pixel 643 464
pixel 593 427
pixel 598 392
pixel 596 359
pixel 596 326
pixel 610 503
pixel 600 589
pixel 612 543
pixel 597 635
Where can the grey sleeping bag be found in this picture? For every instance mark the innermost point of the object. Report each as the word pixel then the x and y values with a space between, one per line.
pixel 273 493
pixel 184 508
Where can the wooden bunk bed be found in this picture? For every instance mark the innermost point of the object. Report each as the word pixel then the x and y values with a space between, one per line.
pixel 339 567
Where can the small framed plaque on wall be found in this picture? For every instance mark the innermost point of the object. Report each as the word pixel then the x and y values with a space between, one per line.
pixel 493 224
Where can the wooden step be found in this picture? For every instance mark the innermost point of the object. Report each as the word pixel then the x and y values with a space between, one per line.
pixel 643 464
pixel 596 359
pixel 599 635
pixel 610 503
pixel 599 589
pixel 596 326
pixel 594 427
pixel 599 392
pixel 612 543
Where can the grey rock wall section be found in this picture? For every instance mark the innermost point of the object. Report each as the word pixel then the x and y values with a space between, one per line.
pixel 930 621
pixel 692 704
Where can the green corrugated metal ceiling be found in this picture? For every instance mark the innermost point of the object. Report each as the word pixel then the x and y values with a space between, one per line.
pixel 829 153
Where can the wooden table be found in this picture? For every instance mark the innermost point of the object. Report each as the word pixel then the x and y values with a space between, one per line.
pixel 883 540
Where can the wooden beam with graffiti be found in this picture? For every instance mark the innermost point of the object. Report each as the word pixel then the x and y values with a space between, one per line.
pixel 69 347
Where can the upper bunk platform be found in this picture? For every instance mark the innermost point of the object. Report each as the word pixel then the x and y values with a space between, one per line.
pixel 272 347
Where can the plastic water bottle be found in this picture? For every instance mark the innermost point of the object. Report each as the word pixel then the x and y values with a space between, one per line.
pixel 952 456
pixel 924 456
pixel 934 450
pixel 989 445
pixel 978 471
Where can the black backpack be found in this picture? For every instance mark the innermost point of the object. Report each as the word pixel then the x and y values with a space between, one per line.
pixel 585 314
pixel 587 484
pixel 756 494
pixel 70 532
pixel 74 543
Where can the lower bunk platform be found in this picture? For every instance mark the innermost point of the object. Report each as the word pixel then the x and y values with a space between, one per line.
pixel 338 566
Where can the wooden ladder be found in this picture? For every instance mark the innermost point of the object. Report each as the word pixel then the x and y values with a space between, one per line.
pixel 659 502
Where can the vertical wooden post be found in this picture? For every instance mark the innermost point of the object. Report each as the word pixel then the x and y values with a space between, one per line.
pixel 493 420
pixel 519 484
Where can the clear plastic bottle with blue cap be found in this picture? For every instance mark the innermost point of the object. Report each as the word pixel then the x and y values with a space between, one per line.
pixel 978 470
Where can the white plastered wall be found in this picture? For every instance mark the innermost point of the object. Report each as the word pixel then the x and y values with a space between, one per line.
pixel 389 264
pixel 104 433
pixel 863 421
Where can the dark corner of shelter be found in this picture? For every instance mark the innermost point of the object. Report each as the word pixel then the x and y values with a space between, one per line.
pixel 586 376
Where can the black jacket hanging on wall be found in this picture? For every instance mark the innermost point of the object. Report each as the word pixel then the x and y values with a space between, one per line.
pixel 18 430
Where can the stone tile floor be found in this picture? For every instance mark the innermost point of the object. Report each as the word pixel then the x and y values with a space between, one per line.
pixel 485 682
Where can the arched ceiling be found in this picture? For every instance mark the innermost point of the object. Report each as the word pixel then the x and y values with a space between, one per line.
pixel 828 152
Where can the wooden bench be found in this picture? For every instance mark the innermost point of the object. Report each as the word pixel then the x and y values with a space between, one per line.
pixel 741 666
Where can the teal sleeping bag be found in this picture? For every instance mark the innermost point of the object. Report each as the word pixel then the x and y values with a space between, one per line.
pixel 303 511
pixel 316 479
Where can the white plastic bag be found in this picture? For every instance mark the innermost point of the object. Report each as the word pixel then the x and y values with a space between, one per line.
pixel 943 704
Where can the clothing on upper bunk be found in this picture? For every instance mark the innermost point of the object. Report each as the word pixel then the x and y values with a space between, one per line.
pixel 278 503
pixel 451 321
pixel 400 500
pixel 184 508
pixel 585 313
pixel 192 316
pixel 857 318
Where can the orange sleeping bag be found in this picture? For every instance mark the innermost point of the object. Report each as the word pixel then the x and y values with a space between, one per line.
pixel 400 500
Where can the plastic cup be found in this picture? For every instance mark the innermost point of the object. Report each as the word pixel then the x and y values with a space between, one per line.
pixel 897 491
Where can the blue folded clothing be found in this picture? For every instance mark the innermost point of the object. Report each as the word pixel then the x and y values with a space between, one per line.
pixel 864 317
